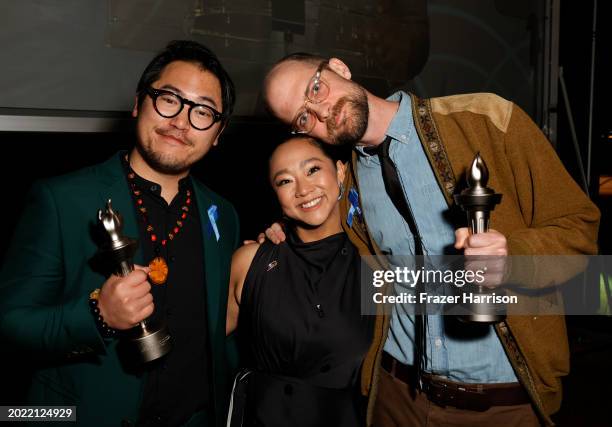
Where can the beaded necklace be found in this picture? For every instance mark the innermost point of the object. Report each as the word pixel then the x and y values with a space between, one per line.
pixel 158 265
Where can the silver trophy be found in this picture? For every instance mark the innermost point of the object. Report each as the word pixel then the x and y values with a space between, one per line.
pixel 478 201
pixel 147 342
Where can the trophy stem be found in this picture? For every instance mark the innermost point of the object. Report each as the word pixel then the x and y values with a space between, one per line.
pixel 124 268
pixel 479 222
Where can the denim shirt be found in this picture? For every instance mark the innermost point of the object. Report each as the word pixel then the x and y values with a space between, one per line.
pixel 459 352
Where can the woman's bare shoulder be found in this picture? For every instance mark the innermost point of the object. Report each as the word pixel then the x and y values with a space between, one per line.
pixel 243 256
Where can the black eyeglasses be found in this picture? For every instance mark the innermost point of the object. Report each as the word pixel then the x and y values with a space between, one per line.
pixel 169 104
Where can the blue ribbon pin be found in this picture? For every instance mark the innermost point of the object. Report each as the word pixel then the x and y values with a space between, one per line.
pixel 213 216
pixel 353 197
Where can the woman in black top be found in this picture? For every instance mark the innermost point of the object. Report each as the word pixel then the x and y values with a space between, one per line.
pixel 298 303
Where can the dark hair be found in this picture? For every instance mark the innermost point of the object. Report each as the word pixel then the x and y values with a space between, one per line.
pixel 189 51
pixel 332 152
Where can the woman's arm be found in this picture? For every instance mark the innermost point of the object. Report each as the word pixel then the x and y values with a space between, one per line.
pixel 241 261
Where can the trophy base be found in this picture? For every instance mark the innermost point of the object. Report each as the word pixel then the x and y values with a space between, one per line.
pixel 150 344
pixel 480 310
pixel 482 318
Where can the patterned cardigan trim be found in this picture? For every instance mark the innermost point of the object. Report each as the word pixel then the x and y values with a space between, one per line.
pixel 438 157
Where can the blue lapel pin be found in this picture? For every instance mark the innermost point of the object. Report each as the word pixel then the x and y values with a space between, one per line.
pixel 213 216
pixel 353 197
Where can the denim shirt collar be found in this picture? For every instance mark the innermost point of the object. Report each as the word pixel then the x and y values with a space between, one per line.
pixel 401 127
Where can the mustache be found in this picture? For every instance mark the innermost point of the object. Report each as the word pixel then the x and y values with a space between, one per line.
pixel 335 111
pixel 173 133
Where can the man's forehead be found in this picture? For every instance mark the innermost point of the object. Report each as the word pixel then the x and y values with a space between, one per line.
pixel 287 82
pixel 187 70
pixel 294 65
pixel 190 77
pixel 291 73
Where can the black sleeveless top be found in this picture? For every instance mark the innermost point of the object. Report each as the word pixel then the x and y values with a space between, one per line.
pixel 300 319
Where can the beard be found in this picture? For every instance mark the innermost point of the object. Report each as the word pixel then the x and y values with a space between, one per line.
pixel 356 118
pixel 167 164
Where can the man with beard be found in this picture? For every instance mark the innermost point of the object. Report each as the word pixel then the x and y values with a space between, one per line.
pixel 429 370
pixel 59 309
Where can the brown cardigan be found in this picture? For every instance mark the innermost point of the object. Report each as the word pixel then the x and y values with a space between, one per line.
pixel 542 212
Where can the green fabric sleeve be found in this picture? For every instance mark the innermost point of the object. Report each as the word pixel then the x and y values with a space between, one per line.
pixel 39 312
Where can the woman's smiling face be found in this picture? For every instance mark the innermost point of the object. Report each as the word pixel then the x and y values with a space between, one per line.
pixel 307 184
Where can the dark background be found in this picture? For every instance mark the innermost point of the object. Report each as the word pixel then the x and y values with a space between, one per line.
pixel 236 170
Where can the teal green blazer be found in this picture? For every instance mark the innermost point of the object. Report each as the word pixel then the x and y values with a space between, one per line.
pixel 45 284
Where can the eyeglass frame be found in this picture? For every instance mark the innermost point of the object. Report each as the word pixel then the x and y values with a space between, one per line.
pixel 156 93
pixel 316 78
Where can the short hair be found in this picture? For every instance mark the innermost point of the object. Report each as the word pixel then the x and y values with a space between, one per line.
pixel 304 57
pixel 300 57
pixel 196 53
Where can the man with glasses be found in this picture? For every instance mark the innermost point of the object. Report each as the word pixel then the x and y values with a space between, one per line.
pixel 431 371
pixel 186 236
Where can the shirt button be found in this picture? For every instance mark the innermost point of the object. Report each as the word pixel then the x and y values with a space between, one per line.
pixel 438 342
pixel 154 187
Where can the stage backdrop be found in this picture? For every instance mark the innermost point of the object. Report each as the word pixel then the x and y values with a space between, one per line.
pixel 83 57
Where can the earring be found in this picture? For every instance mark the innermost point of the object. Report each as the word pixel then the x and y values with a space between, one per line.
pixel 341 185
